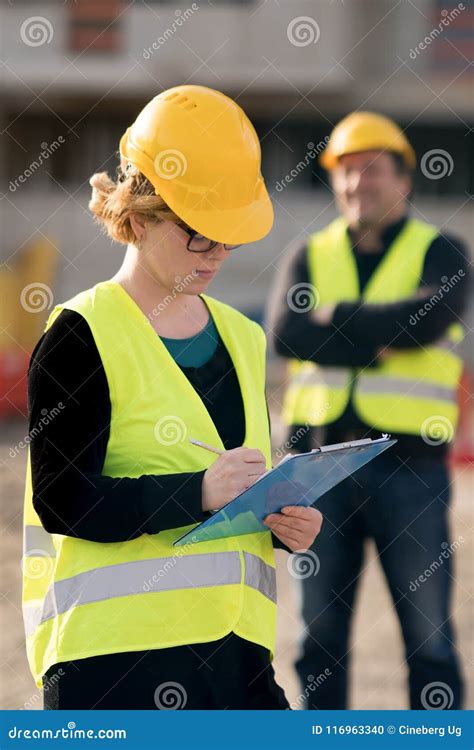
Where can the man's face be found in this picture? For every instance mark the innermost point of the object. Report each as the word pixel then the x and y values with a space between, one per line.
pixel 369 188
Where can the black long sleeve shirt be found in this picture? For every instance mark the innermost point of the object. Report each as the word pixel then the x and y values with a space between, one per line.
pixel 358 330
pixel 70 493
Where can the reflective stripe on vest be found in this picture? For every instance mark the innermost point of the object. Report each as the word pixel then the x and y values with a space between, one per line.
pixel 138 577
pixel 83 598
pixel 386 384
pixel 407 388
pixel 37 542
pixel 379 384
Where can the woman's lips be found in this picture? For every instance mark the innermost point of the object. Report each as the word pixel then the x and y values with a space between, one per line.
pixel 206 273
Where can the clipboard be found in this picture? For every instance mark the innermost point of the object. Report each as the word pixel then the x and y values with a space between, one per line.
pixel 298 479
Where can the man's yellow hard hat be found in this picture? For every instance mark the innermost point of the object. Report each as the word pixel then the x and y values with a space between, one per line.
pixel 202 155
pixel 366 131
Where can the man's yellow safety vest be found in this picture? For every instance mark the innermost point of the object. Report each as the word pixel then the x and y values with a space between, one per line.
pixel 413 390
pixel 83 598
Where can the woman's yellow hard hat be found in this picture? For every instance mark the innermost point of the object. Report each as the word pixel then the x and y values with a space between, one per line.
pixel 366 131
pixel 202 155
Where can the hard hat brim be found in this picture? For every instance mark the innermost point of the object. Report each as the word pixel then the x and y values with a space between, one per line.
pixel 235 226
pixel 330 160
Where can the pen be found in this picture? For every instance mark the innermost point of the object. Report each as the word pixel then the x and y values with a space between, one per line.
pixel 206 446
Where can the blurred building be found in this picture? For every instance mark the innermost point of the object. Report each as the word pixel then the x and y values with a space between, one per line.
pixel 75 75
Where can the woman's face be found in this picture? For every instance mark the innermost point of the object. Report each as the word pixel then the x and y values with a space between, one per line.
pixel 164 254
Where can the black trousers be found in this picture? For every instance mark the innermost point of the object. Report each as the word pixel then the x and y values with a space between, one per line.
pixel 230 673
pixel 404 508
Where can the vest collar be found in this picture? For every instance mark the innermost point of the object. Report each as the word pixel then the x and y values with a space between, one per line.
pixel 388 236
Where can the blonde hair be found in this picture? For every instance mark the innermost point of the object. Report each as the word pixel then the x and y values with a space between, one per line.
pixel 112 203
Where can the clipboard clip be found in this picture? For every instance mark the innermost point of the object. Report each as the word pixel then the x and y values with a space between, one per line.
pixel 350 444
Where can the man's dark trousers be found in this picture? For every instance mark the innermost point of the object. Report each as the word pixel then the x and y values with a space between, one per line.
pixel 402 504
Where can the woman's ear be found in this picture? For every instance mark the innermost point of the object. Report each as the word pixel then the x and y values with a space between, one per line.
pixel 139 229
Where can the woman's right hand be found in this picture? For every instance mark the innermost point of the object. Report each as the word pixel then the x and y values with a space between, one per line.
pixel 230 474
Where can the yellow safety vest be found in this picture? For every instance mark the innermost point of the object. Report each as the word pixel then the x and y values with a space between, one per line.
pixel 83 598
pixel 412 391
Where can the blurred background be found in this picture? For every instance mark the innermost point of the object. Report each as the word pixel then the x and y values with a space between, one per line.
pixel 74 75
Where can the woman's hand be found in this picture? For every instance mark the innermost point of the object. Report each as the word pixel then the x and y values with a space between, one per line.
pixel 296 526
pixel 231 474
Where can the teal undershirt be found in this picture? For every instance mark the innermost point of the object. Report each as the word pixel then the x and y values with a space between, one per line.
pixel 196 350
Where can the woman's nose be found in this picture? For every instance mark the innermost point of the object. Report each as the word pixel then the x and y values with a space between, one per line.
pixel 218 252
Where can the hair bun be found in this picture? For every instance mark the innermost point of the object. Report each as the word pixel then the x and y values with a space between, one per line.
pixel 112 203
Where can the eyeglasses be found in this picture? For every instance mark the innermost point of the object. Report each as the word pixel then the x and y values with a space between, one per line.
pixel 197 243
